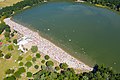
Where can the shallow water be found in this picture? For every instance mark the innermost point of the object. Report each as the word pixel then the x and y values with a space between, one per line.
pixel 89 33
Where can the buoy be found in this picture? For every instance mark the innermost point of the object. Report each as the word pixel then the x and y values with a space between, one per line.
pixel 70 40
pixel 114 63
pixel 48 29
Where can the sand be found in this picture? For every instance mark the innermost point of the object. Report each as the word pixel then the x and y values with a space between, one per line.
pixel 47 47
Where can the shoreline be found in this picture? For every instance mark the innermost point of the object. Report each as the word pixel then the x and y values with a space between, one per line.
pixel 47 47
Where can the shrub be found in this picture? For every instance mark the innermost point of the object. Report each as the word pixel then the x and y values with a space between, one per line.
pixel 57 68
pixel 9 71
pixel 38 55
pixel 29 74
pixel 49 63
pixel 28 64
pixel 21 64
pixel 63 65
pixel 10 47
pixel 20 58
pixel 1 55
pixel 8 56
pixel 43 61
pixel 15 41
pixel 34 59
pixel 34 49
pixel 36 66
pixel 47 57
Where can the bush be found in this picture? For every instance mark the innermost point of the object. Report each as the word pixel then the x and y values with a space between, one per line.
pixel 38 55
pixel 15 41
pixel 21 64
pixel 57 68
pixel 10 47
pixel 1 55
pixel 34 49
pixel 43 61
pixel 8 56
pixel 63 65
pixel 29 74
pixel 47 57
pixel 9 71
pixel 28 64
pixel 20 58
pixel 34 59
pixel 49 63
pixel 36 66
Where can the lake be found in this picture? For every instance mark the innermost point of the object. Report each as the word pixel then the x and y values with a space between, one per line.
pixel 89 33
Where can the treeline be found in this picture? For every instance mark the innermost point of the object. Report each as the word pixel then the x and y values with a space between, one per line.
pixel 10 10
pixel 98 73
pixel 112 4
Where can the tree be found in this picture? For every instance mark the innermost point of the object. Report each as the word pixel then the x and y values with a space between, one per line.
pixel 28 64
pixel 36 66
pixel 9 71
pixel 19 58
pixel 57 68
pixel 12 34
pixel 43 67
pixel 8 56
pixel 43 61
pixel 38 55
pixel 1 54
pixel 29 74
pixel 7 34
pixel 0 51
pixel 63 65
pixel 7 29
pixel 10 47
pixel 34 49
pixel 12 77
pixel 15 41
pixel 21 64
pixel 49 63
pixel 47 57
pixel 34 59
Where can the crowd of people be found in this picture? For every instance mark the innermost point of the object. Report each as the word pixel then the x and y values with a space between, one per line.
pixel 47 47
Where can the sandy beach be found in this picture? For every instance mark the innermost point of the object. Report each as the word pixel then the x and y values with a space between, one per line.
pixel 47 47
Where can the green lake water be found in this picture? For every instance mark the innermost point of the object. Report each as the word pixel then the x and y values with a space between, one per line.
pixel 89 33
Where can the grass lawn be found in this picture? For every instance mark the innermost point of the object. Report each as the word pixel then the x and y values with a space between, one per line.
pixel 10 63
pixel 13 62
pixel 8 2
